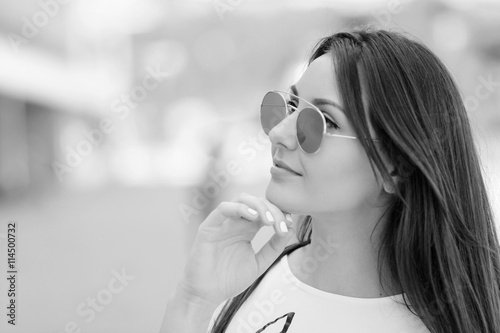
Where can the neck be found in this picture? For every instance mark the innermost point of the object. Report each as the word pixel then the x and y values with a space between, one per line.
pixel 341 257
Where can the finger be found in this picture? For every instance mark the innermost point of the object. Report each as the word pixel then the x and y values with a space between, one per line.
pixel 272 249
pixel 281 221
pixel 230 209
pixel 265 214
pixel 270 214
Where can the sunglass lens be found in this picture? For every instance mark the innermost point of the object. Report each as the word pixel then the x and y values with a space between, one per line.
pixel 309 130
pixel 272 111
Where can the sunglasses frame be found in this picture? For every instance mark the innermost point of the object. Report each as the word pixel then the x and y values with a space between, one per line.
pixel 314 107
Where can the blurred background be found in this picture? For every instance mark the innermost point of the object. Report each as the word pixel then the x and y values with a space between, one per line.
pixel 124 123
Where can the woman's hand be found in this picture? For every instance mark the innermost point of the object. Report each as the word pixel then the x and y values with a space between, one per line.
pixel 222 262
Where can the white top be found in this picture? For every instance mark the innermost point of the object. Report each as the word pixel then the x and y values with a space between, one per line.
pixel 282 303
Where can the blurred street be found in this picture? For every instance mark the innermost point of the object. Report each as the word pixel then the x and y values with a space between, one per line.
pixel 123 124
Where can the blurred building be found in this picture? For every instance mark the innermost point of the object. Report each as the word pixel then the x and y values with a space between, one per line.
pixel 119 119
pixel 68 69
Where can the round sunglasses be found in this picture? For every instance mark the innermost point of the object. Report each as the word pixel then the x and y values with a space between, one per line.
pixel 311 122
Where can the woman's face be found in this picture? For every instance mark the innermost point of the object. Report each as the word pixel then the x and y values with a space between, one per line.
pixel 338 178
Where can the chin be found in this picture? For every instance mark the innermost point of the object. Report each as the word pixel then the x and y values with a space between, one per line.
pixel 281 198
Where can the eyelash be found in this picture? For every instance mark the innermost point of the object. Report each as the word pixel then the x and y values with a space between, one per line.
pixel 328 121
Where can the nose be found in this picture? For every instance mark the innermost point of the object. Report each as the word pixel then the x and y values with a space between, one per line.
pixel 285 132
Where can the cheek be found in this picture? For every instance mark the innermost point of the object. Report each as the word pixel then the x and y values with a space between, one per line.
pixel 344 181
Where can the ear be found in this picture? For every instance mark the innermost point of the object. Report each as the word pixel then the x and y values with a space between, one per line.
pixel 389 188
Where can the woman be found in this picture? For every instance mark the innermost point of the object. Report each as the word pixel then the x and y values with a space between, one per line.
pixel 376 160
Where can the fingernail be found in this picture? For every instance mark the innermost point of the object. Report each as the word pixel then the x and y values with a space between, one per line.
pixel 283 226
pixel 252 211
pixel 269 216
pixel 288 217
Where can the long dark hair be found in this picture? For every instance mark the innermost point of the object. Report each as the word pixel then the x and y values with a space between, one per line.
pixel 439 240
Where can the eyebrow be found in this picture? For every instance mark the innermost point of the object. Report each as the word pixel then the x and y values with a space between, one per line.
pixel 318 101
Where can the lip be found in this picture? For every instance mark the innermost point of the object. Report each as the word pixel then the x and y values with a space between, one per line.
pixel 281 172
pixel 282 166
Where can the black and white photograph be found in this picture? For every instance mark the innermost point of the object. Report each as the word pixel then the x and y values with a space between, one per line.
pixel 249 166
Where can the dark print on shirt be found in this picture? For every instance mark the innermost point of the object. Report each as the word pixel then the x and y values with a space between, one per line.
pixel 274 326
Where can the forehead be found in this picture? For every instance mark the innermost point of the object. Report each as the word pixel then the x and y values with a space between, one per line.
pixel 318 81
